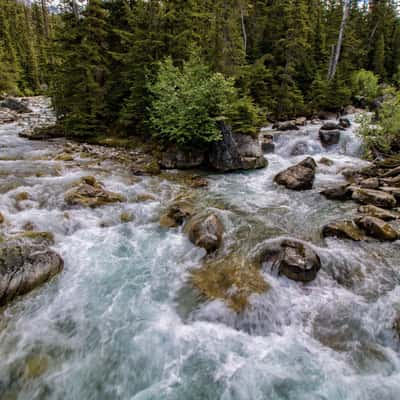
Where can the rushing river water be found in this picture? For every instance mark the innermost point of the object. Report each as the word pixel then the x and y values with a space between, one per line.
pixel 122 322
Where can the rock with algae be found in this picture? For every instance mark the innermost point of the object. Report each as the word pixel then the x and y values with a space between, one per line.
pixel 232 279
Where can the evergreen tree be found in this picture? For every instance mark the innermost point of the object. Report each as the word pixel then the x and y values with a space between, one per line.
pixel 379 57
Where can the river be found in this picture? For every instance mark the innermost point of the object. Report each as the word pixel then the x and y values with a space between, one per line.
pixel 122 321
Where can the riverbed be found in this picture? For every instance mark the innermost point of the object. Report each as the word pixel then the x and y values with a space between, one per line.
pixel 122 321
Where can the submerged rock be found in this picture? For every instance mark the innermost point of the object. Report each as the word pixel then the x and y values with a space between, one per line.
pixel 377 228
pixel 205 232
pixel 177 214
pixel 89 193
pixel 298 177
pixel 377 212
pixel 346 229
pixel 25 266
pixel 236 152
pixel 329 137
pixel 231 279
pixel 377 198
pixel 292 258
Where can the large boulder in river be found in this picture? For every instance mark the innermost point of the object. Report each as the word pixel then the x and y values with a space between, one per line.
pixel 205 232
pixel 346 229
pixel 176 214
pixel 298 177
pixel 175 158
pixel 15 105
pixel 25 266
pixel 377 228
pixel 329 137
pixel 236 152
pixel 90 193
pixel 377 198
pixel 292 258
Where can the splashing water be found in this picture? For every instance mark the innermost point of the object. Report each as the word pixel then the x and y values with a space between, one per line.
pixel 121 321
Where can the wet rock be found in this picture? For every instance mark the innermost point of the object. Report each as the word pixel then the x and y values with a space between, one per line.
pixel 377 228
pixel 391 173
pixel 393 181
pixel 175 158
pixel 15 105
pixel 198 182
pixel 24 267
pixel 267 143
pixel 205 232
pixel 301 121
pixel 7 117
pixel 43 133
pixel 292 258
pixel 342 192
pixel 298 177
pixel 395 191
pixel 376 198
pixel 370 183
pixel 28 226
pixel 176 214
pixel 344 123
pixel 326 161
pixel 2 219
pixel 143 197
pixel 329 138
pixel 126 217
pixel 377 212
pixel 65 157
pixel 91 195
pixel 22 196
pixel 232 279
pixel 346 229
pixel 286 126
pixel 236 152
pixel 330 126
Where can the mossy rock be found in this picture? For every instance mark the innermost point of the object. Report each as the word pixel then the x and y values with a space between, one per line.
pixel 232 279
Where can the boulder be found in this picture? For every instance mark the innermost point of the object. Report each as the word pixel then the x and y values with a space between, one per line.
pixel 286 126
pixel 292 258
pixel 298 177
pixel 329 137
pixel 267 144
pixel 25 266
pixel 377 228
pixel 377 212
pixel 89 193
pixel 235 152
pixel 15 105
pixel 342 192
pixel 176 158
pixel 205 232
pixel 376 198
pixel 344 123
pixel 393 181
pixel 346 229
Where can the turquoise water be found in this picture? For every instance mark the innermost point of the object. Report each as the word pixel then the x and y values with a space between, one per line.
pixel 122 322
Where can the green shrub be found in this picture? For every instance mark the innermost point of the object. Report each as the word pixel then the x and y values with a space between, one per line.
pixel 382 136
pixel 365 83
pixel 187 104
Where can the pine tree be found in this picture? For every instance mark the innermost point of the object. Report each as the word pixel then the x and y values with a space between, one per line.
pixel 379 57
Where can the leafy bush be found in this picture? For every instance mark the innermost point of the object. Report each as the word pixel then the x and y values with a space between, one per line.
pixel 382 136
pixel 188 102
pixel 365 83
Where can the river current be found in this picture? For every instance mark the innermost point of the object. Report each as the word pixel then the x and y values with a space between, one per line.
pixel 122 321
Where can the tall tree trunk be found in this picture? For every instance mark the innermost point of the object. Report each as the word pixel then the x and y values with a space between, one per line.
pixel 336 54
pixel 243 30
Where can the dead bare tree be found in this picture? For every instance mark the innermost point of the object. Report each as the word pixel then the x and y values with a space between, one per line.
pixel 337 49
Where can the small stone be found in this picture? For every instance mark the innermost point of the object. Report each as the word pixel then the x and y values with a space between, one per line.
pixel 65 157
pixel 28 226
pixel 36 366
